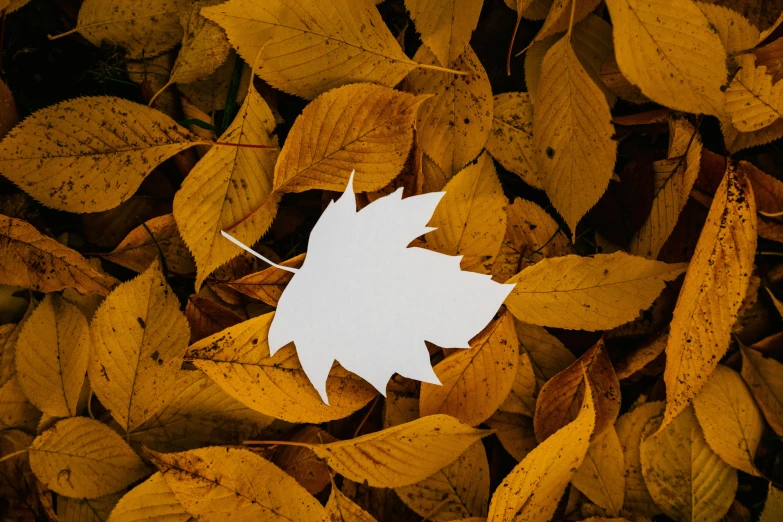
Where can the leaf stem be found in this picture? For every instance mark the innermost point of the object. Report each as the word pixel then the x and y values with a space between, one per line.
pixel 511 45
pixel 14 454
pixel 240 145
pixel 277 443
pixel 441 69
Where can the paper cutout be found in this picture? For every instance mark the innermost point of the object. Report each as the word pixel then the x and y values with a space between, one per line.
pixel 365 299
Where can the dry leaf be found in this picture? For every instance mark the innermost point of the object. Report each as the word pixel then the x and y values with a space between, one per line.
pixel 563 14
pixel 588 293
pixel 340 508
pixel 204 48
pixel 211 93
pixel 751 101
pixel 515 432
pixel 268 284
pixel 82 458
pixel 301 463
pixel 52 353
pixel 445 25
pixel 736 33
pixel 522 397
pixel 150 500
pixel 764 377
pixel 644 355
pixel 510 139
pixel 15 410
pixel 712 293
pixel 773 508
pixel 8 114
pixel 207 317
pixel 86 509
pixel 139 337
pixel 601 477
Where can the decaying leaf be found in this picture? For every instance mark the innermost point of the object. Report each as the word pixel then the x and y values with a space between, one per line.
pixel 340 508
pixel 15 410
pixel 207 317
pixel 301 463
pixel 152 499
pixel 445 25
pixel 752 101
pixel 736 33
pixel 268 284
pixel 510 139
pixel 764 377
pixel 204 48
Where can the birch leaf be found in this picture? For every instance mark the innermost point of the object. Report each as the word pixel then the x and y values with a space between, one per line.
pixel 510 139
pixel 32 260
pixel 238 360
pixel 773 507
pixel 601 475
pixel 268 284
pixel 340 508
pixel 139 337
pixel 751 100
pixel 572 134
pixel 83 458
pixel 736 33
pixel 364 127
pixel 52 353
pixel 712 293
pixel 588 293
pixel 204 48
pixel 445 25
pixel 308 48
pixel 230 188
pixel 89 154
pixel 475 382
pixel 152 499
pixel 218 482
pixel 730 419
pixel 764 377
pixel 677 61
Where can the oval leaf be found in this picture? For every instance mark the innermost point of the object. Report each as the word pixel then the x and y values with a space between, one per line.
pixel 150 500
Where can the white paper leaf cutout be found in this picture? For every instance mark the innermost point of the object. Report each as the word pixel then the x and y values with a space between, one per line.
pixel 365 299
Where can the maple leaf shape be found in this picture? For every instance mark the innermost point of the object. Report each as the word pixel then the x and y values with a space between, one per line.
pixel 365 299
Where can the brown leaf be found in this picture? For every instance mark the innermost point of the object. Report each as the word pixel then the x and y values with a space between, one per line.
pixel 207 317
pixel 268 284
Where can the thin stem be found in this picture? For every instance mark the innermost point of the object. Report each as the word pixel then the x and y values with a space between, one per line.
pixel 774 254
pixel 155 96
pixel 366 416
pixel 14 454
pixel 771 214
pixel 277 443
pixel 441 69
pixel 241 145
pixel 511 45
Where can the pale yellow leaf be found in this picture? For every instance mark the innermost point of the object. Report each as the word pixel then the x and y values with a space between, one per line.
pixel 560 16
pixel 773 508
pixel 532 490
pixel 83 458
pixel 204 48
pixel 573 132
pixel 238 360
pixel 445 25
pixel 515 432
pixel 401 455
pixel 218 483
pixel 752 102
pixel 15 410
pixel 736 33
pixel 548 355
pixel 150 500
pixel 685 477
pixel 764 377
pixel 601 475
pixel 522 397
pixel 460 490
pixel 139 337
pixel 454 123
pixel 268 284
pixel 308 47
pixel 588 293
pixel 89 154
pixel 712 293
pixel 86 509
pixel 510 139
pixel 340 508
pixel 230 189
pixel 669 50
pixel 52 353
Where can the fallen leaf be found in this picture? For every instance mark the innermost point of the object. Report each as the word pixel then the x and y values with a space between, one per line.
pixel 510 139
pixel 751 100
pixel 15 410
pixel 764 377
pixel 211 93
pixel 630 429
pixel 8 113
pixel 515 432
pixel 445 25
pixel 301 463
pixel 340 508
pixel 204 48
pixel 86 509
pixel 206 317
pixel 268 284
pixel 563 15
pixel 150 500
pixel 773 508
pixel 736 33
pixel 640 358
pixel 601 475
pixel 524 390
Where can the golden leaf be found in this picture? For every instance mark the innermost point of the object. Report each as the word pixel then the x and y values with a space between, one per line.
pixel 641 357
pixel 230 189
pixel 218 482
pixel 52 353
pixel 238 360
pixel 15 410
pixel 402 402
pixel 401 455
pixel 453 124
pixel 475 382
pixel 736 33
pixel 150 500
pixel 712 293
pixel 445 25
pixel 211 93
pixel 89 154
pixel 470 220
pixel 588 293
pixel 673 179
pixel 548 355
pixel 340 508
pixel 8 338
pixel 510 139
pixel 532 490
pixel 773 508
pixel 459 490
pixel 559 18
pixel 300 462
pixel 752 102
pixel 677 61
pixel 522 397
pixel 34 261
pixel 601 475
pixel 86 509
pixel 572 134
pixel 139 337
pixel 204 48
pixel 687 480
pixel 206 317
pixel 83 458
pixel 308 47
pixel 764 377
pixel 364 127
pixel 268 284
pixel 515 432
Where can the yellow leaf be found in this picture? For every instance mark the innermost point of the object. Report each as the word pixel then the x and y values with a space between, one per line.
pixel 300 462
pixel 548 355
pixel 642 356
pixel 601 475
pixel 268 284
pixel 730 419
pixel 230 189
pixel 532 490
pixel 630 428
pixel 764 377
pixel 86 509
pixel 52 353
pixel 687 480
pixel 460 490
pixel 452 125
pixel 572 134
pixel 211 93
pixel 364 127
pixel 217 483
pixel 776 302
pixel 138 249
pixel 736 33
pixel 340 508
pixel 751 100
pixel 309 47
pixel 560 15
pixel 712 293
pixel 515 432
pixel 83 458
pixel 736 140
pixel 204 48
pixel 401 455
pixel 34 261
pixel 773 508
pixel 672 182
pixel 238 360
pixel 15 410
pixel 588 293
pixel 139 337
pixel 142 27
pixel 89 154
pixel 470 220
pixel 677 61
pixel 445 25
pixel 150 500
pixel 522 397
pixel 510 139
